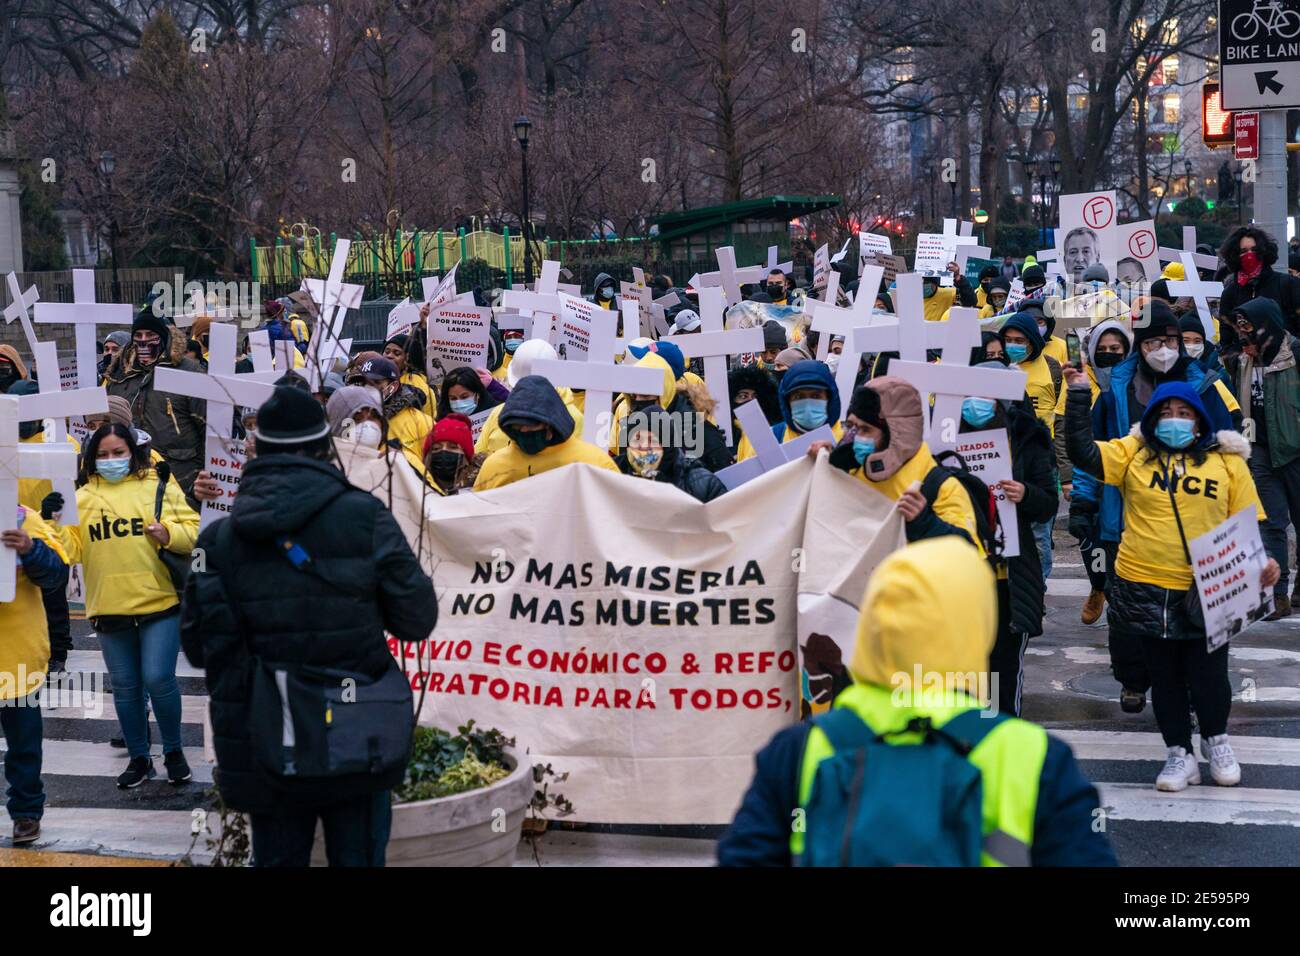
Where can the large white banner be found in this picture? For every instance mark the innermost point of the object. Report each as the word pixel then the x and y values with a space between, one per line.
pixel 643 642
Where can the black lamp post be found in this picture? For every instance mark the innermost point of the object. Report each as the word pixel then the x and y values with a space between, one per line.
pixel 1236 178
pixel 107 164
pixel 929 175
pixel 522 126
pixel 1187 170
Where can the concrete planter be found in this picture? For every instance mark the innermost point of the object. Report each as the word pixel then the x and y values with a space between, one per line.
pixel 458 830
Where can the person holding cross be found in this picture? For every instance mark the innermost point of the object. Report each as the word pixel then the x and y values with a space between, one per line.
pixel 176 423
pixel 809 399
pixel 542 438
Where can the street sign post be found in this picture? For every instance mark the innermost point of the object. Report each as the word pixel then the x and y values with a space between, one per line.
pixel 1259 54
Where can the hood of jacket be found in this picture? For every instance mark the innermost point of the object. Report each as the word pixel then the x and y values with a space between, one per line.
pixel 279 494
pixel 669 390
pixel 1185 392
pixel 930 606
pixel 11 353
pixel 1264 317
pixel 125 365
pixel 1027 324
pixel 900 410
pixel 603 278
pixel 809 374
pixel 534 399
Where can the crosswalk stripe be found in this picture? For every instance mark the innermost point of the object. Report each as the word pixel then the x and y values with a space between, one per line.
pixel 1129 745
pixel 1068 587
pixel 82 758
pixel 100 706
pixel 1206 803
pixel 93 662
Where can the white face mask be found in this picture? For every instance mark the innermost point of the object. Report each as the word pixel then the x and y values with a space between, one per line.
pixel 833 361
pixel 1162 359
pixel 1195 351
pixel 367 433
pixel 1042 330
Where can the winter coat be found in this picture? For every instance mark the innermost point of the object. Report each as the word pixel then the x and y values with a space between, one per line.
pixel 24 633
pixel 406 422
pixel 1281 287
pixel 922 615
pixel 690 475
pixel 1032 464
pixel 1114 414
pixel 1280 434
pixel 534 399
pixel 177 422
pixel 124 575
pixel 492 438
pixel 1211 483
pixel 363 581
pixel 1043 372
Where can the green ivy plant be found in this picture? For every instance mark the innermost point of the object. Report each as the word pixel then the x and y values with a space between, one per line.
pixel 442 765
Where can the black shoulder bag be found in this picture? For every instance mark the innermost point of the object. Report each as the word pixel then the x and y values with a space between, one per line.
pixel 1192 599
pixel 313 722
pixel 177 565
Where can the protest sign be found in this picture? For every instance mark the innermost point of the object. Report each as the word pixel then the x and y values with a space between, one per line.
pixel 1227 561
pixel 477 421
pixel 871 247
pixel 632 660
pixel 404 315
pixel 988 457
pixel 892 265
pixel 224 459
pixel 458 336
pixel 974 266
pixel 67 381
pixel 573 327
pixel 935 250
pixel 1088 234
pixel 1139 259
pixel 821 266
pixel 1015 296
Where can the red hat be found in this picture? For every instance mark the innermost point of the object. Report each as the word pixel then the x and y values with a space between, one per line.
pixel 454 427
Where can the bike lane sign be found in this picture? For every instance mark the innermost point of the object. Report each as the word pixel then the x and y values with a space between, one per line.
pixel 1259 54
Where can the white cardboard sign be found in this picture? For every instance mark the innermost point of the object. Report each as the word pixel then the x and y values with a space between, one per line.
pixel 988 457
pixel 1227 561
pixel 458 335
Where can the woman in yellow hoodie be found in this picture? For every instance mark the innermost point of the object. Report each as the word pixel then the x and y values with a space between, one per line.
pixel 130 599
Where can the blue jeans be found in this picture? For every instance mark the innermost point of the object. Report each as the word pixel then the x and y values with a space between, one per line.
pixel 356 832
pixel 140 658
pixel 1043 535
pixel 22 730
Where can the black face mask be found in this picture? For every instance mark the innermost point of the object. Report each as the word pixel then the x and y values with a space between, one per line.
pixel 28 429
pixel 444 464
pixel 643 405
pixel 776 292
pixel 997 358
pixel 1109 359
pixel 8 375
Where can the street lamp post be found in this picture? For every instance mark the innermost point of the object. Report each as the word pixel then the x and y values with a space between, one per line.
pixel 107 165
pixel 522 127
pixel 953 187
pixel 1236 178
pixel 1187 171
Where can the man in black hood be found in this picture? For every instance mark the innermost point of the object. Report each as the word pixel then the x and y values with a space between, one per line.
pixel 1262 370
pixel 604 291
pixel 312 573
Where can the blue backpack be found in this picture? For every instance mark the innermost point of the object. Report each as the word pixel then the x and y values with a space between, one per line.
pixel 880 804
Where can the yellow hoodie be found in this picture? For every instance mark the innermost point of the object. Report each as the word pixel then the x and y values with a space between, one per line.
pixel 666 395
pixel 938 304
pixel 510 464
pixel 951 504
pixel 411 427
pixel 421 385
pixel 492 438
pixel 24 635
pixel 124 575
pixel 932 605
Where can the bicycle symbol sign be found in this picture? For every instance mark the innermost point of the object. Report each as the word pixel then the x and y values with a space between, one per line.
pixel 1269 16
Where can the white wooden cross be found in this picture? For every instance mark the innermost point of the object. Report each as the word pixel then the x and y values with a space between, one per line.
pixel 19 303
pixel 264 357
pixel 223 391
pixel 53 406
pixel 768 452
pixel 908 333
pixel 829 319
pixel 772 264
pixel 48 461
pixel 85 315
pixel 600 377
pixel 333 297
pixel 543 299
pixel 714 343
pixel 728 277
pixel 1189 247
pixel 1199 290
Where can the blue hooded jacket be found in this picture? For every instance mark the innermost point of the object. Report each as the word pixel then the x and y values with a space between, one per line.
pixel 1025 323
pixel 1112 418
pixel 1180 390
pixel 807 374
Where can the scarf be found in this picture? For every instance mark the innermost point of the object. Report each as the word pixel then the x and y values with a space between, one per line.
pixel 1249 268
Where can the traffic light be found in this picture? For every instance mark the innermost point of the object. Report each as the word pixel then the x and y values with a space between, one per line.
pixel 1216 122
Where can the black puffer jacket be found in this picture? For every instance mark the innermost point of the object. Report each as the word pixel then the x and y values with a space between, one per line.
pixel 688 474
pixel 1032 462
pixel 365 581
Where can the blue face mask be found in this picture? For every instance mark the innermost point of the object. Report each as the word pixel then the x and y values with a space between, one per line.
pixel 512 345
pixel 1176 432
pixel 808 413
pixel 862 447
pixel 465 406
pixel 1017 353
pixel 113 469
pixel 978 411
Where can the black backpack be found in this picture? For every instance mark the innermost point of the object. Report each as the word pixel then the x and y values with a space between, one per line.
pixel 981 498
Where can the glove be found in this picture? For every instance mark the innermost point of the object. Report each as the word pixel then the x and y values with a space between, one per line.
pixel 1083 519
pixel 51 505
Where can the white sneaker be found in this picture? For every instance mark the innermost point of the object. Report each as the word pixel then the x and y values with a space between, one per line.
pixel 1223 765
pixel 1180 770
